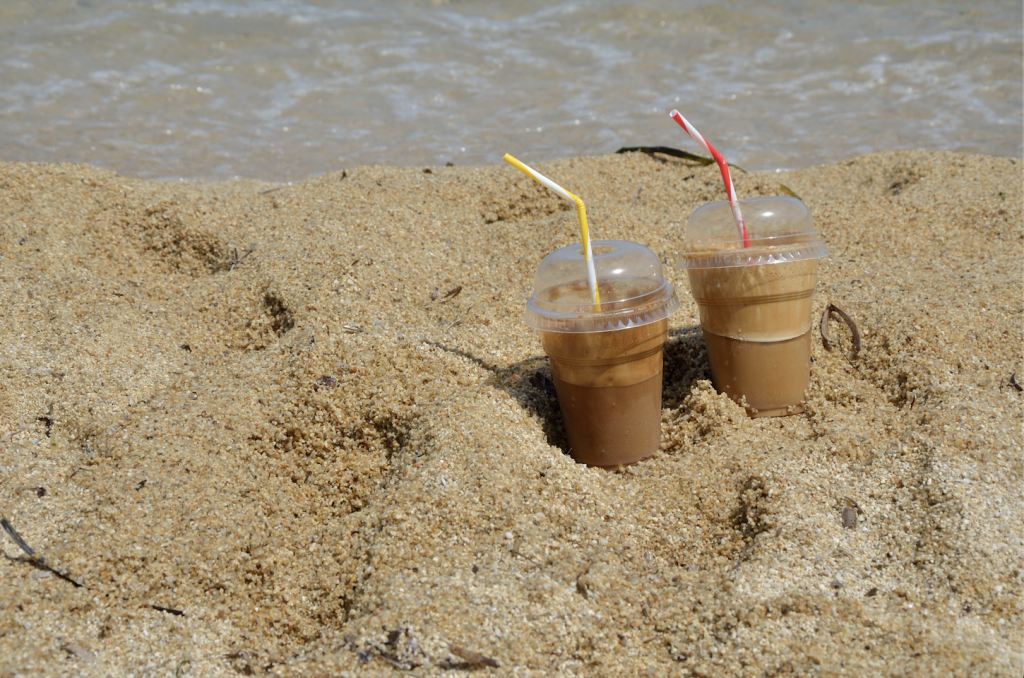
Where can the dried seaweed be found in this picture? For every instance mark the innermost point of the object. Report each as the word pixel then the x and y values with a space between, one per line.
pixel 675 153
pixel 790 192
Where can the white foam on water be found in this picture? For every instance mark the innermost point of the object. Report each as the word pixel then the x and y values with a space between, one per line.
pixel 286 89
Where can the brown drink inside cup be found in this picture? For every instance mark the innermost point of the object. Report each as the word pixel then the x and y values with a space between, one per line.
pixel 755 302
pixel 609 391
pixel 737 369
pixel 607 359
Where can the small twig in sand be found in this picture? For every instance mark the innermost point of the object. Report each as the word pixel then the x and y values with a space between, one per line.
pixel 473 657
pixel 1013 382
pixel 239 259
pixel 171 610
pixel 829 311
pixel 13 534
pixel 540 381
pixel 847 501
pixel 452 293
pixel 407 666
pixel 352 329
pixel 457 321
pixel 38 561
pixel 524 557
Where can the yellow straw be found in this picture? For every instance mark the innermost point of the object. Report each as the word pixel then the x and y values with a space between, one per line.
pixel 581 212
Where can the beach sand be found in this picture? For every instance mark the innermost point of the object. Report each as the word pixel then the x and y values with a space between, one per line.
pixel 318 468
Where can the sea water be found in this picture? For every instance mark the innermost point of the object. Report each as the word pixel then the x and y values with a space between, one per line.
pixel 286 89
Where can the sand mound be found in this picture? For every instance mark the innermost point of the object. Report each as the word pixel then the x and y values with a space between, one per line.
pixel 326 451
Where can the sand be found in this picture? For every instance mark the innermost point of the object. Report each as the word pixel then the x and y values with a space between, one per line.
pixel 328 471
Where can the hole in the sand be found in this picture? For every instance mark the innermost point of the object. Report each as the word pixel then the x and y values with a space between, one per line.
pixel 273 320
pixel 177 241
pixel 685 363
pixel 903 177
pixel 282 320
pixel 752 516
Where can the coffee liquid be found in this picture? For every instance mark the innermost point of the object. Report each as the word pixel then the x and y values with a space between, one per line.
pixel 756 322
pixel 609 426
pixel 609 391
pixel 772 375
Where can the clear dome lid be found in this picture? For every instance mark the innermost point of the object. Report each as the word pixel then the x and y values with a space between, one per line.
pixel 630 283
pixel 780 229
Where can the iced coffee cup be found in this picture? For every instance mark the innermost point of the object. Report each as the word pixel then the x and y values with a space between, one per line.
pixel 754 299
pixel 606 357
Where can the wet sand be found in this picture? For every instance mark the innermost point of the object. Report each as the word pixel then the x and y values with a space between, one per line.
pixel 324 470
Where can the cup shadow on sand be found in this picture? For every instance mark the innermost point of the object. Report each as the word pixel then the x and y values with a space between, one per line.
pixel 685 363
pixel 515 379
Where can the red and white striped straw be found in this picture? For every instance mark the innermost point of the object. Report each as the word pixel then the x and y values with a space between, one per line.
pixel 723 166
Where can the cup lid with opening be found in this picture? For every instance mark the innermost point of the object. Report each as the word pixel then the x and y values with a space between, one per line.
pixel 630 281
pixel 780 230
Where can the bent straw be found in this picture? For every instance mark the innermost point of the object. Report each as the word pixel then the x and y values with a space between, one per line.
pixel 581 212
pixel 723 166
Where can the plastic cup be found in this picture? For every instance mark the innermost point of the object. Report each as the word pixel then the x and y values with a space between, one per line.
pixel 755 302
pixel 606 358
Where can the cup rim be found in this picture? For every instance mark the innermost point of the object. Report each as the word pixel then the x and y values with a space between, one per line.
pixel 649 307
pixel 761 252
